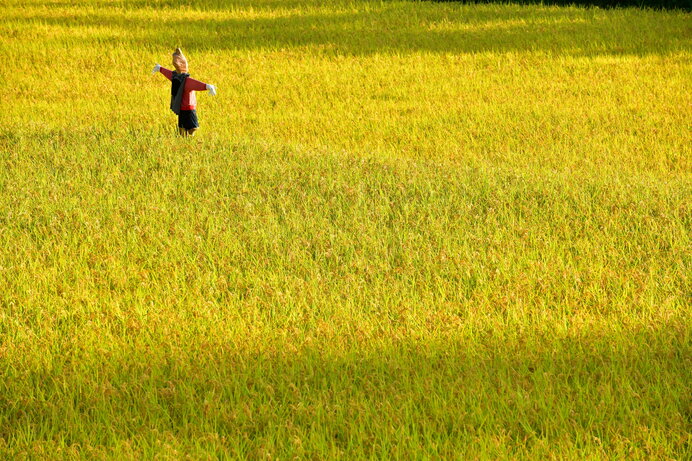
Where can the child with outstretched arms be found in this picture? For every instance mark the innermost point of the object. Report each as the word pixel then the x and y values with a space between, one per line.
pixel 183 87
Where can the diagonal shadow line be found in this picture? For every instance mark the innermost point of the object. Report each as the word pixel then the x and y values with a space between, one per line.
pixel 593 382
pixel 559 31
pixel 685 5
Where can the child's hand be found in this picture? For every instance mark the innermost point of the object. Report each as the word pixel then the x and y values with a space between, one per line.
pixel 212 89
pixel 155 69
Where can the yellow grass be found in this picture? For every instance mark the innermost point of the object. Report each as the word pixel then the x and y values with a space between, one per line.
pixel 404 230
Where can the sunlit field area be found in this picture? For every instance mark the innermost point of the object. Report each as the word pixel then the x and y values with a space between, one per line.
pixel 408 230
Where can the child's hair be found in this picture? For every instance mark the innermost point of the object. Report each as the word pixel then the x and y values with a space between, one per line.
pixel 179 61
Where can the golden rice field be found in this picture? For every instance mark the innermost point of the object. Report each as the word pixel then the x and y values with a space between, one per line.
pixel 408 230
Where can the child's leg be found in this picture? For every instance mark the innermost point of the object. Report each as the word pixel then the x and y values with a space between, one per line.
pixel 187 122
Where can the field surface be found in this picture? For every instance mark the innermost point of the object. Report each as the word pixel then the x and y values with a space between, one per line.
pixel 408 230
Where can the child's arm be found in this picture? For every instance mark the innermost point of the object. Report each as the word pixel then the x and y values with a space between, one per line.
pixel 167 73
pixel 195 85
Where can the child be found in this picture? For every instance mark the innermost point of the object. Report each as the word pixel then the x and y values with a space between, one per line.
pixel 183 99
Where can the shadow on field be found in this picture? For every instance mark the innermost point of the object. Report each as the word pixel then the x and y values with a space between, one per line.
pixel 398 28
pixel 515 390
pixel 657 4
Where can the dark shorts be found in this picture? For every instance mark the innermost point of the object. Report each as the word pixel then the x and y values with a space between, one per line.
pixel 188 119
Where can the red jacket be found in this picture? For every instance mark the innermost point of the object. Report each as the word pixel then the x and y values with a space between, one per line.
pixel 189 101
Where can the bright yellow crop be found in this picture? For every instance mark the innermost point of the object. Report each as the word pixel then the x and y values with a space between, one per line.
pixel 404 230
